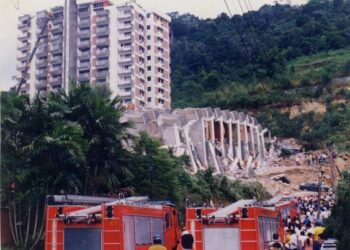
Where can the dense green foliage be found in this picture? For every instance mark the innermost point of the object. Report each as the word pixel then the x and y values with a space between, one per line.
pixel 76 144
pixel 282 56
pixel 210 57
pixel 338 225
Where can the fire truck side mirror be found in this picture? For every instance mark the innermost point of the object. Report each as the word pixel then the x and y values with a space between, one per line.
pixel 244 212
pixel 109 212
pixel 199 213
pixel 59 212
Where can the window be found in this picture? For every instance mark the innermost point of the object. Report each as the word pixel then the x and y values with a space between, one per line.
pixel 160 70
pixel 148 27
pixel 141 60
pixel 159 39
pixel 149 58
pixel 149 99
pixel 160 80
pixel 149 37
pixel 159 29
pixel 149 89
pixel 149 47
pixel 160 101
pixel 148 15
pixel 127 22
pixel 149 68
pixel 127 89
pixel 141 27
pixel 149 78
pixel 142 71
pixel 160 60
pixel 141 17
pixel 161 91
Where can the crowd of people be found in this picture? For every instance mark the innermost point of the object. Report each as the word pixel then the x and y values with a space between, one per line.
pixel 310 159
pixel 305 230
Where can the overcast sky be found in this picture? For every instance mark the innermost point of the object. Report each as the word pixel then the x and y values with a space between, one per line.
pixel 11 9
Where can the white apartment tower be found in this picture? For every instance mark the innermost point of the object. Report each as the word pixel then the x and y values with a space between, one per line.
pixel 123 46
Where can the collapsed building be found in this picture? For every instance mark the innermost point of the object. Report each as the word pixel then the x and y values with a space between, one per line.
pixel 221 139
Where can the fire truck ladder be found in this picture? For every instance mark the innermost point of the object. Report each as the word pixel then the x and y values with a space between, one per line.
pixel 230 209
pixel 30 58
pixel 84 213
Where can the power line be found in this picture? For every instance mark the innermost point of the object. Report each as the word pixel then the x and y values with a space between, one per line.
pixel 259 40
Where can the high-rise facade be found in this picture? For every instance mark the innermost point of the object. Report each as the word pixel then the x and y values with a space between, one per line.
pixel 125 47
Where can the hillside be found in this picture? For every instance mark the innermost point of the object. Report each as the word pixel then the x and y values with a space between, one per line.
pixel 279 63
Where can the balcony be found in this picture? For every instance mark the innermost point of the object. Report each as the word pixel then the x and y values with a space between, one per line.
pixel 56 59
pixel 55 48
pixel 57 28
pixel 102 13
pixel 102 41
pixel 125 83
pixel 57 20
pixel 85 77
pixel 84 66
pixel 41 63
pixel 39 84
pixel 84 14
pixel 124 49
pixel 23 47
pixel 21 67
pixel 102 53
pixel 57 81
pixel 84 33
pixel 123 60
pixel 84 55
pixel 124 26
pixel 102 63
pixel 42 73
pixel 102 74
pixel 41 51
pixel 124 38
pixel 102 31
pixel 24 26
pixel 56 70
pixel 102 20
pixel 124 16
pixel 84 23
pixel 124 71
pixel 23 36
pixel 57 37
pixel 84 44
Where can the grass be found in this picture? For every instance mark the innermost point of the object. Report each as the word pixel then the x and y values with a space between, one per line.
pixel 310 67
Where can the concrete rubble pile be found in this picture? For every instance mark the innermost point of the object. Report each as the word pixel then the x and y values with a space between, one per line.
pixel 228 141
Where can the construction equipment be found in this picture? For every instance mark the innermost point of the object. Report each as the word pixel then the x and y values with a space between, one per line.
pixel 31 56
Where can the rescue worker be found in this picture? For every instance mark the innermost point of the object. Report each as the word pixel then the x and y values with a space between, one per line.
pixel 157 244
pixel 186 240
pixel 318 230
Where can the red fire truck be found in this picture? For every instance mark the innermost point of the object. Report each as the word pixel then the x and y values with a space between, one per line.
pixel 74 222
pixel 243 225
pixel 93 223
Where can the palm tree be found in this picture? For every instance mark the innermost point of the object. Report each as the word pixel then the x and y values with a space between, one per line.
pixel 99 115
pixel 40 155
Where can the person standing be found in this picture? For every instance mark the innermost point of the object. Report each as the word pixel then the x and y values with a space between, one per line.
pixel 187 240
pixel 157 244
pixel 309 242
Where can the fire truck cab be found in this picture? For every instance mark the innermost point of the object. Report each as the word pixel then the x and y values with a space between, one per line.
pixel 240 226
pixel 93 223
